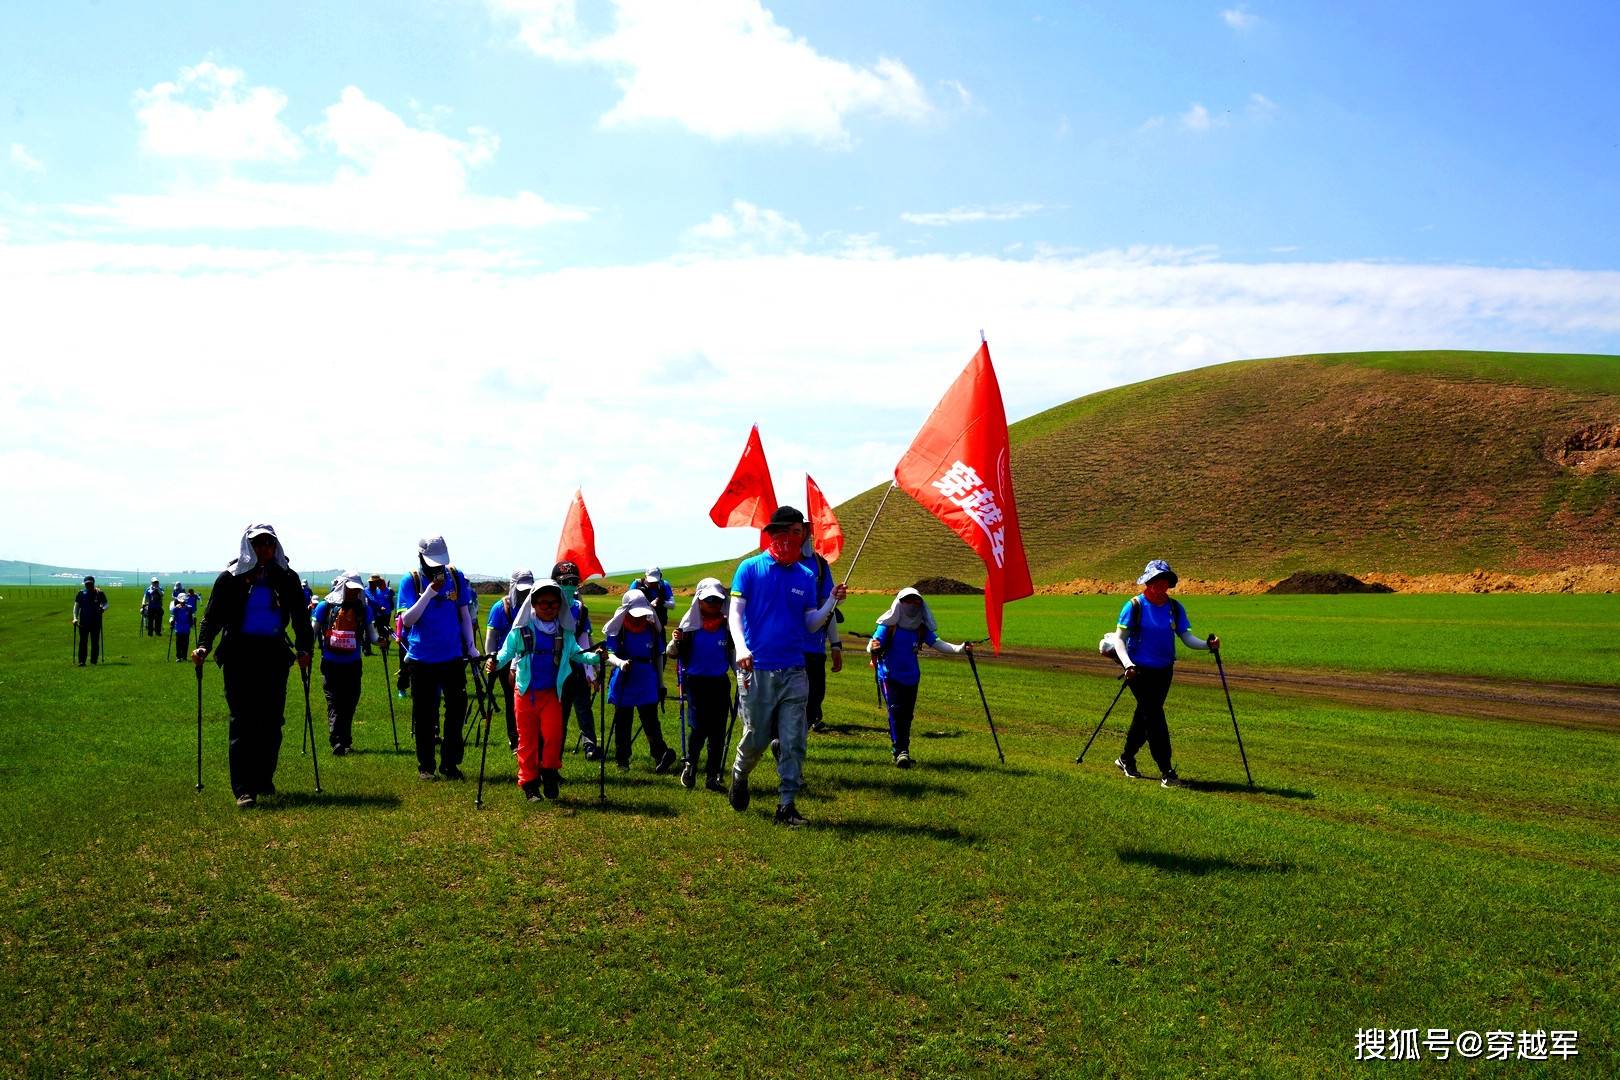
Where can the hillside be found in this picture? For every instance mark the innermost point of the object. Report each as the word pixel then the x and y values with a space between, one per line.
pixel 1418 462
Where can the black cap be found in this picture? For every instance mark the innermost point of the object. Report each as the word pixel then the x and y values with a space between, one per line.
pixel 565 573
pixel 785 517
pixel 89 579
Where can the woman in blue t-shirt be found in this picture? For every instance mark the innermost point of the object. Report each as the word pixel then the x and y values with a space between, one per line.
pixel 901 633
pixel 703 651
pixel 1145 644
pixel 636 644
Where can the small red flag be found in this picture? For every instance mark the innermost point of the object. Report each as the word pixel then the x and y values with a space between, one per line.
pixel 824 527
pixel 578 543
pixel 749 499
pixel 959 469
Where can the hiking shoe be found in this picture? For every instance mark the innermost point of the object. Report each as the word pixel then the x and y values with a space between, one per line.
pixel 548 783
pixel 713 784
pixel 245 801
pixel 1170 779
pixel 531 791
pixel 592 751
pixel 739 792
pixel 789 815
pixel 820 727
pixel 776 749
pixel 1127 767
pixel 426 775
pixel 902 760
pixel 339 751
pixel 666 761
pixel 450 772
pixel 688 775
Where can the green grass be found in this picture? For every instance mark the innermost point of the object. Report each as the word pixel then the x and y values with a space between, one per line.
pixel 1392 869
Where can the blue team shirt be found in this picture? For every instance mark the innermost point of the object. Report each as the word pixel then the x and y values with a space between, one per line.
pixel 709 653
pixel 536 670
pixel 500 622
pixel 260 616
pixel 436 637
pixel 638 683
pixel 899 663
pixel 776 598
pixel 381 603
pixel 1155 645
pixel 182 618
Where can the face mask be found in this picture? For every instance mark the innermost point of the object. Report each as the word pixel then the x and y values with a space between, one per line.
pixel 569 592
pixel 783 549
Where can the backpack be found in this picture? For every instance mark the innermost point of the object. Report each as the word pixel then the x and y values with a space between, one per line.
pixel 345 641
pixel 529 638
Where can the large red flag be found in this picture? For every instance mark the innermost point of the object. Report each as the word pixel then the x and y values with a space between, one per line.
pixel 959 470
pixel 824 527
pixel 578 543
pixel 749 499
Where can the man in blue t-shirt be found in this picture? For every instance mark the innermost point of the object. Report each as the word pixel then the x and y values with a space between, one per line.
pixel 437 604
pixel 773 607
pixel 1145 644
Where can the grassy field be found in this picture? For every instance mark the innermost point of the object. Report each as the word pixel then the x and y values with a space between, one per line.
pixel 1038 918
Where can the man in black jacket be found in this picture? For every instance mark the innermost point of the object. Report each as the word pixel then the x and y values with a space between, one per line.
pixel 87 609
pixel 252 602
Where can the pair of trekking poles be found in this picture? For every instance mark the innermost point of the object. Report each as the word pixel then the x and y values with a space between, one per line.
pixel 1123 681
pixel 973 665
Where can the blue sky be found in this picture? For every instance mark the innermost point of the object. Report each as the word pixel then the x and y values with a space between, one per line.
pixel 525 244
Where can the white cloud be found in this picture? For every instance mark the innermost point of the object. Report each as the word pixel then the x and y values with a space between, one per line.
pixel 720 68
pixel 963 94
pixel 965 215
pixel 747 229
pixel 736 337
pixel 388 178
pixel 1197 118
pixel 23 161
pixel 1239 18
pixel 1262 107
pixel 211 113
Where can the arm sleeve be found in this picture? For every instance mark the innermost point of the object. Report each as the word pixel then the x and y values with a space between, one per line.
pixel 1192 641
pixel 509 649
pixel 813 617
pixel 1117 639
pixel 467 642
pixel 735 620
pixel 419 608
pixel 303 633
pixel 946 647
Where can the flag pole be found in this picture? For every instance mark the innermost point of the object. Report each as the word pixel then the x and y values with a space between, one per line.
pixel 850 569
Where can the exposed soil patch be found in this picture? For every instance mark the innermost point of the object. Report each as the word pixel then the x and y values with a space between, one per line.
pixel 1589 448
pixel 944 586
pixel 1325 583
pixel 1559 704
pixel 1596 578
pixel 591 588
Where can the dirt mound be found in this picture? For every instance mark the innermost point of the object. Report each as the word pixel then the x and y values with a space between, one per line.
pixel 591 588
pixel 944 586
pixel 1325 583
pixel 1589 448
pixel 1601 578
pixel 1187 587
pixel 490 588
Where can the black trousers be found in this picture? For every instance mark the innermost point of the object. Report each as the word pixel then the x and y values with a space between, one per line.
pixel 902 709
pixel 255 672
pixel 341 684
pixel 576 696
pixel 154 622
pixel 623 732
pixel 90 639
pixel 430 682
pixel 182 645
pixel 708 705
pixel 815 669
pixel 1150 686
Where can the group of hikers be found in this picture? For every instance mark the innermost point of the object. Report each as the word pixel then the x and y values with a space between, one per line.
pixel 759 650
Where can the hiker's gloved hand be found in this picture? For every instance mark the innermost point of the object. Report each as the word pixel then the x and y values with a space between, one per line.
pixel 619 663
pixel 837 660
pixel 1130 673
pixel 1214 643
pixel 303 660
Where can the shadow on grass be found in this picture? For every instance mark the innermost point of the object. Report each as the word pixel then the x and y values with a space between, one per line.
pixel 1219 787
pixel 296 800
pixel 939 734
pixel 850 729
pixel 360 751
pixel 593 805
pixel 994 767
pixel 1197 865
pixel 909 787
pixel 945 833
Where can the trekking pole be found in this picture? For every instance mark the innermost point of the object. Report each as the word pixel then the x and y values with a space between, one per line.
pixel 199 668
pixel 1081 759
pixel 483 755
pixel 732 719
pixel 168 650
pixel 309 732
pixel 388 692
pixel 680 687
pixel 1222 669
pixel 602 730
pixel 975 668
pixel 74 655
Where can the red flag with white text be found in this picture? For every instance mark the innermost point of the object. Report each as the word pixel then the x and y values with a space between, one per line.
pixel 749 499
pixel 959 469
pixel 578 542
pixel 824 528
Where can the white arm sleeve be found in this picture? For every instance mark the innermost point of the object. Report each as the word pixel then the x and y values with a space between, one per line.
pixel 1192 641
pixel 418 609
pixel 467 630
pixel 736 622
pixel 946 647
pixel 1118 640
pixel 489 639
pixel 814 619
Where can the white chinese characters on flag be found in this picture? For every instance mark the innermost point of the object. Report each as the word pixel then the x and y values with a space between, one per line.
pixel 959 469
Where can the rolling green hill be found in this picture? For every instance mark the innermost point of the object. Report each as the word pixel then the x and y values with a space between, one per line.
pixel 1415 462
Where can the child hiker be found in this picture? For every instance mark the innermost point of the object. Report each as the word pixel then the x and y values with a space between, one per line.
pixel 901 633
pixel 635 643
pixel 703 652
pixel 534 650
pixel 1145 644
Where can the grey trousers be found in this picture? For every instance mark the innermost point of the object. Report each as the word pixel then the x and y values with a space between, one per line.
pixel 772 704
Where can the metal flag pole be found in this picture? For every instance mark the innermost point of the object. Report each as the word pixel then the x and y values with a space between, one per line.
pixel 850 569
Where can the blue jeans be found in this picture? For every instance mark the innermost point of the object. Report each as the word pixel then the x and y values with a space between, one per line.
pixel 772 705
